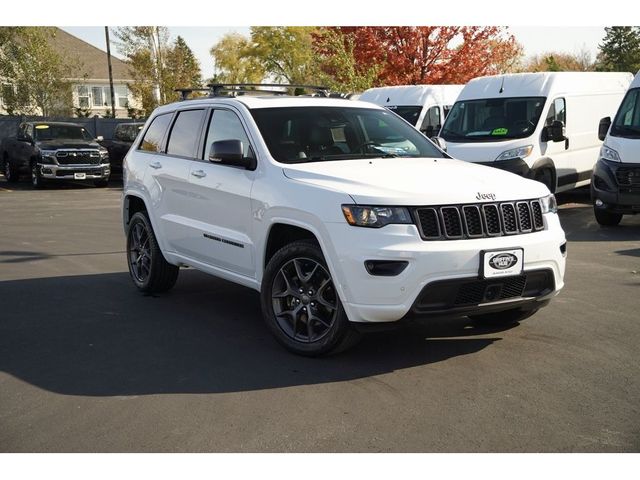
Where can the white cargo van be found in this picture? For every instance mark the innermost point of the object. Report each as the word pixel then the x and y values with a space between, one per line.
pixel 539 125
pixel 615 185
pixel 423 106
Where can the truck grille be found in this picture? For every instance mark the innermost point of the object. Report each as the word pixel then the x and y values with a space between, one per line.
pixel 628 176
pixel 451 222
pixel 78 157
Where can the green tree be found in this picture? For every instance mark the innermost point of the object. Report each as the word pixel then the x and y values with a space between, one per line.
pixel 560 62
pixel 286 53
pixel 234 62
pixel 620 50
pixel 37 73
pixel 182 69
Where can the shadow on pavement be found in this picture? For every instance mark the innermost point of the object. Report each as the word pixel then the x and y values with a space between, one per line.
pixel 95 335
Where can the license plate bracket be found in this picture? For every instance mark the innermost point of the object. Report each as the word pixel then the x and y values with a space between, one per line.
pixel 503 262
pixel 80 176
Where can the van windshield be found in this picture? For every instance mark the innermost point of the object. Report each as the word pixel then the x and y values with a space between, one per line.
pixel 313 134
pixel 492 119
pixel 409 112
pixel 627 121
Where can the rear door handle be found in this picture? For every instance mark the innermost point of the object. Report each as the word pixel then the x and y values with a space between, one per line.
pixel 155 165
pixel 199 174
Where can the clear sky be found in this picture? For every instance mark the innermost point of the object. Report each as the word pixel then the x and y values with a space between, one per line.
pixel 535 40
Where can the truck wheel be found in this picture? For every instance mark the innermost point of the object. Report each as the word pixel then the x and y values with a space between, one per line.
pixel 545 176
pixel 10 173
pixel 503 318
pixel 36 180
pixel 606 218
pixel 300 304
pixel 149 270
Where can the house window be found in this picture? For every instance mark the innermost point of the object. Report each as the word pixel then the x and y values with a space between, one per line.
pixel 122 95
pixel 83 96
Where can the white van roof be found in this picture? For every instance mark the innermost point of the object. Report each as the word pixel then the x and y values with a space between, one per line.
pixel 545 84
pixel 412 95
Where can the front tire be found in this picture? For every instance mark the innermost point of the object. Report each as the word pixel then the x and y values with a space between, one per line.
pixel 606 218
pixel 36 179
pixel 300 304
pixel 149 270
pixel 545 176
pixel 505 317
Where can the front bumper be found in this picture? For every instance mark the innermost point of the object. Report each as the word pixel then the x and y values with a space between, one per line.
pixel 75 172
pixel 369 298
pixel 616 197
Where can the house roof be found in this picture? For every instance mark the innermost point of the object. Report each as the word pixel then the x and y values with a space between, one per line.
pixel 93 60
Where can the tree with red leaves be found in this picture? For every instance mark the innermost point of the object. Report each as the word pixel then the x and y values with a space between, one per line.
pixel 423 55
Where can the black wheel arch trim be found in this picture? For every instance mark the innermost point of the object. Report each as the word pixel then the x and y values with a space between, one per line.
pixel 545 162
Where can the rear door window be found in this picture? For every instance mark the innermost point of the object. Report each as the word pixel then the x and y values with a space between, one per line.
pixel 152 141
pixel 185 133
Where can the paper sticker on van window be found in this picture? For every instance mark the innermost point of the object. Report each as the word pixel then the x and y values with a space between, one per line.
pixel 500 131
pixel 42 127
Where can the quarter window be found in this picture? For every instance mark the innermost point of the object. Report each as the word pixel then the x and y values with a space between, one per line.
pixel 152 141
pixel 431 123
pixel 557 111
pixel 185 133
pixel 225 125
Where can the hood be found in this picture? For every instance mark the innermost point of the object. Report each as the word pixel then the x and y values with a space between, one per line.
pixel 627 148
pixel 483 151
pixel 59 143
pixel 416 181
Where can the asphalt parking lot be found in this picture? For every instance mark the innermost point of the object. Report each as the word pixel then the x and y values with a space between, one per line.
pixel 87 364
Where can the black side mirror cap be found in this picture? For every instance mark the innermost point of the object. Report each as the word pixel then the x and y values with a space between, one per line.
pixel 556 131
pixel 230 152
pixel 603 128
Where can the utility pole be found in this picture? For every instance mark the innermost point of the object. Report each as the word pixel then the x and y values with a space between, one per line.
pixel 113 95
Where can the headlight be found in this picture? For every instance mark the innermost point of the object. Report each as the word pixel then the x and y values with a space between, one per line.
pixel 48 157
pixel 549 204
pixel 520 152
pixel 375 217
pixel 104 153
pixel 609 154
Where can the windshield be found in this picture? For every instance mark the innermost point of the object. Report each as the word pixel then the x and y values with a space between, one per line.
pixel 627 121
pixel 308 134
pixel 492 119
pixel 409 113
pixel 67 132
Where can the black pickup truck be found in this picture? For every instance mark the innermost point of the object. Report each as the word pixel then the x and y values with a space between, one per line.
pixel 50 151
pixel 123 137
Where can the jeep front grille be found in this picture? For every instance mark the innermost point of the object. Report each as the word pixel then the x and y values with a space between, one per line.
pixel 452 222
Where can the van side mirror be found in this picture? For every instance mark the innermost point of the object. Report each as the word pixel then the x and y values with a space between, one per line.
pixel 428 131
pixel 603 128
pixel 440 142
pixel 100 138
pixel 230 152
pixel 556 131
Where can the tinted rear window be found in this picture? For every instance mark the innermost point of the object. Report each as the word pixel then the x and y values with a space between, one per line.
pixel 152 141
pixel 185 133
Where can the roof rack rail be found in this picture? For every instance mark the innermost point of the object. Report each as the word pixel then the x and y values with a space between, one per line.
pixel 216 89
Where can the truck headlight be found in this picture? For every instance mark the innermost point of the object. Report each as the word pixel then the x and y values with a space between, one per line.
pixel 609 154
pixel 104 154
pixel 375 217
pixel 48 157
pixel 549 204
pixel 520 152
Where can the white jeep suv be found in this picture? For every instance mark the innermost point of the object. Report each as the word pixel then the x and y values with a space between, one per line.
pixel 339 213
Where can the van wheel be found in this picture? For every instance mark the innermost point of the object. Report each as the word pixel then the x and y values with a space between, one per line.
pixel 606 218
pixel 10 173
pixel 148 268
pixel 503 318
pixel 301 305
pixel 545 176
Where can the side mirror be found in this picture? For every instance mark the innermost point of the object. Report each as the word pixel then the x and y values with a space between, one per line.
pixel 603 128
pixel 230 152
pixel 428 131
pixel 556 131
pixel 100 138
pixel 440 142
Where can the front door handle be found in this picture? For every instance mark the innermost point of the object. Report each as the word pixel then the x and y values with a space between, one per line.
pixel 155 165
pixel 199 174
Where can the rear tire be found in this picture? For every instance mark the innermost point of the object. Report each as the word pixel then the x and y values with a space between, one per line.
pixel 300 304
pixel 149 270
pixel 606 218
pixel 503 318
pixel 11 172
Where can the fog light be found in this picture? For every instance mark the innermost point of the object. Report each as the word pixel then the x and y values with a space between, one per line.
pixel 385 268
pixel 599 203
